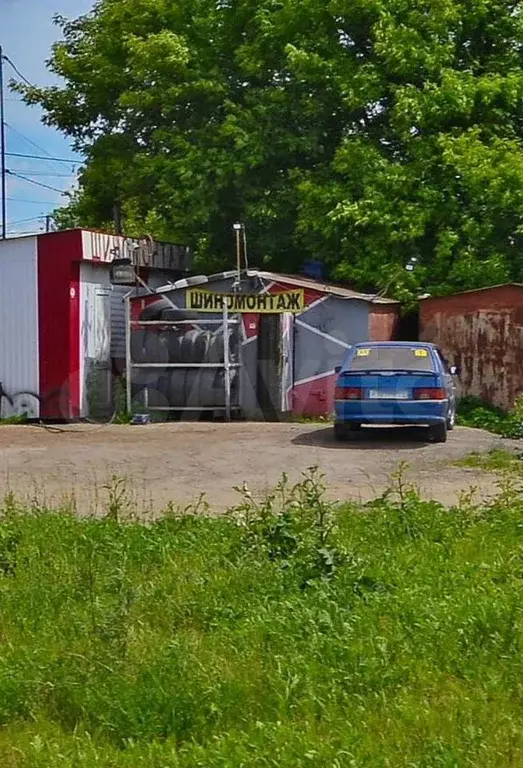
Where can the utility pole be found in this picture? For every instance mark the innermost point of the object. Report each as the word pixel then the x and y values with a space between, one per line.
pixel 48 223
pixel 2 147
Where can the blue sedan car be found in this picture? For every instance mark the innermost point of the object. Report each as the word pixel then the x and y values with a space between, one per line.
pixel 395 383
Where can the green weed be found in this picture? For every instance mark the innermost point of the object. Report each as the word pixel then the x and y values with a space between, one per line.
pixel 290 632
pixel 496 460
pixel 473 412
pixel 14 420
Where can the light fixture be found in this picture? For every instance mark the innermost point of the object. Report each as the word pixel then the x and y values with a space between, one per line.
pixel 237 227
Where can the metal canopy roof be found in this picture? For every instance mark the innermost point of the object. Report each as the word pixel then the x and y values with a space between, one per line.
pixel 276 277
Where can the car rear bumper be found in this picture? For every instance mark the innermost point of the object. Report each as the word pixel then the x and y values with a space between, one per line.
pixel 406 412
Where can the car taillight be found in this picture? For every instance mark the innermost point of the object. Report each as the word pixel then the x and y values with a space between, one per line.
pixel 348 393
pixel 429 393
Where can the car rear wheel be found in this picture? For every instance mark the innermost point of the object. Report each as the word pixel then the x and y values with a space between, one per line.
pixel 451 420
pixel 438 432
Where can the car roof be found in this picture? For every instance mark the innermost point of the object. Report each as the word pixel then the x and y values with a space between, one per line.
pixel 410 344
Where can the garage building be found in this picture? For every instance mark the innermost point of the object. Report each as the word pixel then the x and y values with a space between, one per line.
pixel 273 353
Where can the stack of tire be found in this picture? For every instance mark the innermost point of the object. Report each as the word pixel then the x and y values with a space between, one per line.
pixel 172 388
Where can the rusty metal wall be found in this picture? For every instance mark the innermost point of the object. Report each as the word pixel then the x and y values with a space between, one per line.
pixel 482 332
pixel 383 322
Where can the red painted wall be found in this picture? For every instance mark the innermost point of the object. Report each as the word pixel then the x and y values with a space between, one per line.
pixel 314 398
pixel 59 254
pixel 482 332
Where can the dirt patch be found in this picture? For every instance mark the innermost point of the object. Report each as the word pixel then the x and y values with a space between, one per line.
pixel 176 462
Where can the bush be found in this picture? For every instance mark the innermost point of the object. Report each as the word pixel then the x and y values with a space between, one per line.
pixel 473 412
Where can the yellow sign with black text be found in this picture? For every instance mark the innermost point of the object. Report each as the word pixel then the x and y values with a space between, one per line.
pixel 255 303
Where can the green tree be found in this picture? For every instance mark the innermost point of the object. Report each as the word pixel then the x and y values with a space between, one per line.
pixel 364 132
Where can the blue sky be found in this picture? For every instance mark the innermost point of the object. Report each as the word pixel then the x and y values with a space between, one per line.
pixel 26 34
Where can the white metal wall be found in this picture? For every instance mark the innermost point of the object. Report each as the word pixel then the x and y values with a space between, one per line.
pixel 19 368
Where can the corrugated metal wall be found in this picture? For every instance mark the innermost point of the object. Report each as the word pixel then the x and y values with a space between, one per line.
pixel 118 321
pixel 19 369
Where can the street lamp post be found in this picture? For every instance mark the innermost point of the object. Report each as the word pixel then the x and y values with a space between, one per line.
pixel 238 229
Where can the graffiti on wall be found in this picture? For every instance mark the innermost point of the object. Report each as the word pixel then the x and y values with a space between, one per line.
pixel 19 404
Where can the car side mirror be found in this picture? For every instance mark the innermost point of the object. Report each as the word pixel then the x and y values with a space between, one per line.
pixel 337 369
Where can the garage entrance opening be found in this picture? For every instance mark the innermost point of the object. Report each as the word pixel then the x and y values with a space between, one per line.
pixel 269 366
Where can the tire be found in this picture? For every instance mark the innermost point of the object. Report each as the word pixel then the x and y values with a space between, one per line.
pixel 172 314
pixel 156 348
pixel 451 420
pixel 153 397
pixel 192 389
pixel 207 391
pixel 177 388
pixel 137 346
pixel 215 350
pixel 438 432
pixel 194 347
pixel 218 389
pixel 154 310
pixel 173 345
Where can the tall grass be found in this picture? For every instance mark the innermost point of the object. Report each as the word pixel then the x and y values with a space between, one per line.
pixel 286 633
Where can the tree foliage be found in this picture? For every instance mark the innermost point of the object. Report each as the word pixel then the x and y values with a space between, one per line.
pixel 362 132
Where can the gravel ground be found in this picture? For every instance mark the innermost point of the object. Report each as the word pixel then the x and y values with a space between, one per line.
pixel 176 462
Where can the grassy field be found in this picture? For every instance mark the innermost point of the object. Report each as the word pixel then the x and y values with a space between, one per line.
pixel 286 634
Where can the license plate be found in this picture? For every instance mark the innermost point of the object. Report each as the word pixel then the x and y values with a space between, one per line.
pixel 382 394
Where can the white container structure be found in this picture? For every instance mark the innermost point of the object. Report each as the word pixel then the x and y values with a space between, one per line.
pixel 62 323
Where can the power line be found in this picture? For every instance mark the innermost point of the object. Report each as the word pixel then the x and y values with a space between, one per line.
pixel 29 141
pixel 48 174
pixel 32 181
pixel 26 81
pixel 24 221
pixel 39 157
pixel 22 232
pixel 32 202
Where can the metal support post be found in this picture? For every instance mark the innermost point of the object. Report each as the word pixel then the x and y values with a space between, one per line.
pixel 128 361
pixel 3 172
pixel 227 362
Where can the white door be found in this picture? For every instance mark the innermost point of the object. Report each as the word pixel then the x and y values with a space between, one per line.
pixel 102 327
pixel 95 361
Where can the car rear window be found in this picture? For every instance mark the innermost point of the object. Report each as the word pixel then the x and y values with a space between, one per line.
pixel 391 359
